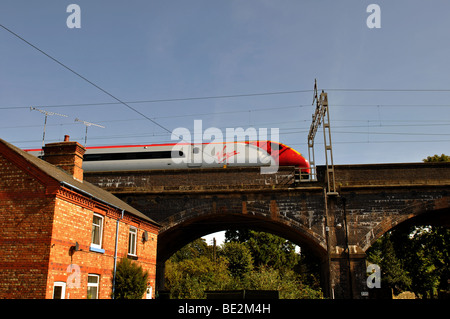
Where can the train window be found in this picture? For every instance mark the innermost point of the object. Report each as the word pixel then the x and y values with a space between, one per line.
pixel 177 154
pixel 276 146
pixel 132 156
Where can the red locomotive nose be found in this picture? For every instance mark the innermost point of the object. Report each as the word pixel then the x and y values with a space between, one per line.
pixel 290 157
pixel 285 155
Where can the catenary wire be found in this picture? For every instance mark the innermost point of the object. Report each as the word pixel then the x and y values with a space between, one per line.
pixel 84 78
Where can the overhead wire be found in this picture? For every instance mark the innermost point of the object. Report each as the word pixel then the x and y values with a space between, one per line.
pixel 160 100
pixel 84 78
pixel 119 101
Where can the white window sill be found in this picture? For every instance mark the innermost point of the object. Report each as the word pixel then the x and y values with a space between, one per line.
pixel 96 249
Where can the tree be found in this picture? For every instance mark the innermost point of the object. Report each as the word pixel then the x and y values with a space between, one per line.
pixel 130 281
pixel 240 235
pixel 393 273
pixel 414 258
pixel 190 278
pixel 437 158
pixel 195 269
pixel 288 283
pixel 429 260
pixel 271 250
pixel 194 249
pixel 239 258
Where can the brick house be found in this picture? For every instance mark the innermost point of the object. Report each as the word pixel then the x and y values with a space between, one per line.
pixel 58 232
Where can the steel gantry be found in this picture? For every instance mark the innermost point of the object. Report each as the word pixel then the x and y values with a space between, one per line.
pixel 321 116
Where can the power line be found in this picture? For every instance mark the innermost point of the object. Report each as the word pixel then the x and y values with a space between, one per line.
pixel 162 100
pixel 84 78
pixel 240 111
pixel 289 144
pixel 388 90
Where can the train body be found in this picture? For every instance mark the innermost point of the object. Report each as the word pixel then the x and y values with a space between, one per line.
pixel 173 156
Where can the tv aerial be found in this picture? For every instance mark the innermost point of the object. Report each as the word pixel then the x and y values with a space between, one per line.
pixel 46 113
pixel 87 124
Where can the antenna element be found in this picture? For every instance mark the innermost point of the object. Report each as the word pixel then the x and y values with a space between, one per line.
pixel 87 124
pixel 46 113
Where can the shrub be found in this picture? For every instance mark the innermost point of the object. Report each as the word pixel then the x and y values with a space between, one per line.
pixel 131 280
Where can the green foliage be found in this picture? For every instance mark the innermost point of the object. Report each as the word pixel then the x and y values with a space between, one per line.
pixel 239 258
pixel 196 268
pixel 131 280
pixel 288 283
pixel 190 278
pixel 393 273
pixel 415 259
pixel 195 249
pixel 273 251
pixel 239 235
pixel 437 158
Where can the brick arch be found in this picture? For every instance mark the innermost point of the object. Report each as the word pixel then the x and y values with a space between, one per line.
pixel 431 212
pixel 187 225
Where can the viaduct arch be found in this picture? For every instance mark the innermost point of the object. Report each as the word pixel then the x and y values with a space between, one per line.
pixel 371 200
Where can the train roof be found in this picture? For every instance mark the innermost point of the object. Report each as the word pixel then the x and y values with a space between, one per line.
pixel 68 181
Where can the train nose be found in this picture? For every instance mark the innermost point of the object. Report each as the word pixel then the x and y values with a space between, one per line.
pixel 305 167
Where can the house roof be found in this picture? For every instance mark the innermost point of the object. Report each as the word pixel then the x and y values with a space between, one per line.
pixel 85 188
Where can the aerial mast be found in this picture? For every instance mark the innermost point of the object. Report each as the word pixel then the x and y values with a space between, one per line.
pixel 87 124
pixel 46 113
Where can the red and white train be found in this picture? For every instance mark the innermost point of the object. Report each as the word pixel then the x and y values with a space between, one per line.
pixel 172 156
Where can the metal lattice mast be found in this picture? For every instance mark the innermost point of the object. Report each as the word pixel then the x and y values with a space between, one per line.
pixel 328 146
pixel 316 120
pixel 322 115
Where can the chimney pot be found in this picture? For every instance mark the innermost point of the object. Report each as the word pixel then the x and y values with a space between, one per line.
pixel 67 156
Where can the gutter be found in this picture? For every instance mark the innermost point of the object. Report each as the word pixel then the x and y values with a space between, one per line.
pixel 115 255
pixel 65 184
pixel 90 195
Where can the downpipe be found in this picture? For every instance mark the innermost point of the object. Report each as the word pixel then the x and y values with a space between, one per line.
pixel 115 254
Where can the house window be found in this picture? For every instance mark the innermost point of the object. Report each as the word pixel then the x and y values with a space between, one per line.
pixel 59 290
pixel 132 236
pixel 97 231
pixel 92 289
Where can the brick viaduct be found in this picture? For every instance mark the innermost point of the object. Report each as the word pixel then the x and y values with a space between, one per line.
pixel 338 229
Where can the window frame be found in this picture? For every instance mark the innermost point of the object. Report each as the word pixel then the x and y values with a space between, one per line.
pixel 100 227
pixel 61 284
pixel 95 285
pixel 132 241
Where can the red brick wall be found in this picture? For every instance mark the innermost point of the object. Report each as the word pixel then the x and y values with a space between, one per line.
pixel 74 224
pixel 38 229
pixel 26 222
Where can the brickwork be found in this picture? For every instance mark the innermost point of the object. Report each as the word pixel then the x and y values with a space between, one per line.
pixel 67 156
pixel 73 223
pixel 192 180
pixel 25 219
pixel 42 221
pixel 372 200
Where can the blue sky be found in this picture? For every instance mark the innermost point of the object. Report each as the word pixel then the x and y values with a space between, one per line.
pixel 388 88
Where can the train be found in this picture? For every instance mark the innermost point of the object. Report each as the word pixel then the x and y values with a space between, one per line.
pixel 186 155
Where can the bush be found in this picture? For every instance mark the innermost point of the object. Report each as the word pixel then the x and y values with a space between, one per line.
pixel 131 280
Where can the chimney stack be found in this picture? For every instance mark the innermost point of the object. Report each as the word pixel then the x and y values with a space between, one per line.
pixel 66 155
